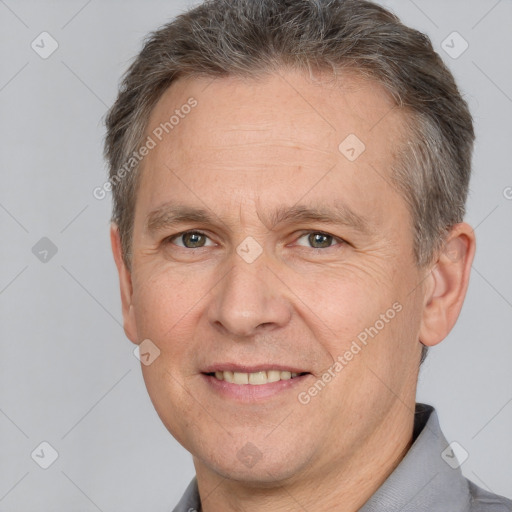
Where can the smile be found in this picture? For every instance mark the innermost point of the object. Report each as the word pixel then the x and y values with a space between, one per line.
pixel 255 378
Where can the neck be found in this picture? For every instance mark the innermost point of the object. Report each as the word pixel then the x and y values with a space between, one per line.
pixel 344 483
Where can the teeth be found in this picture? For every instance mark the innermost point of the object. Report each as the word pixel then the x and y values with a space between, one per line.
pixel 256 378
pixel 240 378
pixel 273 375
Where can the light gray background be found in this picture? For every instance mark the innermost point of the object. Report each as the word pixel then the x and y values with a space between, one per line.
pixel 67 373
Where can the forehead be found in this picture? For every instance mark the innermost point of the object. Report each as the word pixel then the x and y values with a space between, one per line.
pixel 315 111
pixel 280 133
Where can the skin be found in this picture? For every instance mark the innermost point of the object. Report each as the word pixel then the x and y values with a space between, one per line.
pixel 247 147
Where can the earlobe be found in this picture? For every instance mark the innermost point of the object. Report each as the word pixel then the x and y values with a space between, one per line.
pixel 446 286
pixel 125 284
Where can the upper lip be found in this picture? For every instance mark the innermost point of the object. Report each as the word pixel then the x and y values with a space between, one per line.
pixel 241 368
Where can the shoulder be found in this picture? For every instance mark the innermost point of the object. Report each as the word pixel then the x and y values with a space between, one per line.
pixel 485 501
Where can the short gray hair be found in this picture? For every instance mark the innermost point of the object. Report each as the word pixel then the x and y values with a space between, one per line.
pixel 252 37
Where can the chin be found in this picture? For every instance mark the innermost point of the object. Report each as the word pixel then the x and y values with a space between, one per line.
pixel 269 467
pixel 265 475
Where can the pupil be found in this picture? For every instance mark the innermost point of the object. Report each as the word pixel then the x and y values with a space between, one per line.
pixel 318 237
pixel 193 239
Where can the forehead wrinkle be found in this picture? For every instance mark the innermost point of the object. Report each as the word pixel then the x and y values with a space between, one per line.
pixel 276 144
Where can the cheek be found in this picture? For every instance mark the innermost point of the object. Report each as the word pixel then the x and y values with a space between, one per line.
pixel 356 307
pixel 166 310
pixel 343 300
pixel 165 303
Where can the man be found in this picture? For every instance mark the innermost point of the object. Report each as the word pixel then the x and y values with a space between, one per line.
pixel 289 182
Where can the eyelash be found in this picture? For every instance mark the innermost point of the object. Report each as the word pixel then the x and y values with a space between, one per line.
pixel 305 233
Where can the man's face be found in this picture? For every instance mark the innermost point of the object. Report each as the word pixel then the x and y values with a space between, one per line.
pixel 260 284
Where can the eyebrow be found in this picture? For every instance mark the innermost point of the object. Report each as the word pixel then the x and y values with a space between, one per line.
pixel 170 214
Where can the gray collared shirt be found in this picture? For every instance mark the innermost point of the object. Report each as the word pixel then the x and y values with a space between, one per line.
pixel 422 482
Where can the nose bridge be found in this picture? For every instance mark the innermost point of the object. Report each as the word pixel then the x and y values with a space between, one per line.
pixel 249 296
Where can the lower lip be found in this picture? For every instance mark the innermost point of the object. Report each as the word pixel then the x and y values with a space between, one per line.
pixel 252 392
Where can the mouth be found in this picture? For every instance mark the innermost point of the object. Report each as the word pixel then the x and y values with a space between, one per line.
pixel 257 378
pixel 250 384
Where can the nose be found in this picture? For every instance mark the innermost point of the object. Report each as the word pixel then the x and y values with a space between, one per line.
pixel 249 299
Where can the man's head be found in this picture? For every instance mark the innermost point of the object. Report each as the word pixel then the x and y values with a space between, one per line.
pixel 299 199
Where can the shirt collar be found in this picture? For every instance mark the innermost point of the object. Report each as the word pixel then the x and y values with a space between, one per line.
pixel 422 482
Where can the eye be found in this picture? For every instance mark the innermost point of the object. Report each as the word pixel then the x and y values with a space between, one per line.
pixel 319 240
pixel 190 240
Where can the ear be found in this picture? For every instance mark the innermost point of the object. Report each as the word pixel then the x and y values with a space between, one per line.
pixel 446 285
pixel 125 283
